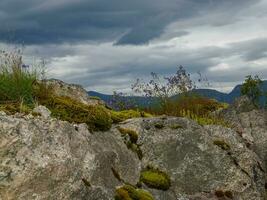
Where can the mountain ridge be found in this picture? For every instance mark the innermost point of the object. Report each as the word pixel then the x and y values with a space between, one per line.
pixel 210 93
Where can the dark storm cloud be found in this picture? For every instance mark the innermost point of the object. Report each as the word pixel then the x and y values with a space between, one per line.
pixel 128 22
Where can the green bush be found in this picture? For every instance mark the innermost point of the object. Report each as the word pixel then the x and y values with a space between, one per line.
pixel 251 88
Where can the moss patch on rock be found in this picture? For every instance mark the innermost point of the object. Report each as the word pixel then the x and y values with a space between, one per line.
pixel 65 108
pixel 222 144
pixel 129 192
pixel 131 133
pixel 132 143
pixel 155 178
pixel 120 116
pixel 176 126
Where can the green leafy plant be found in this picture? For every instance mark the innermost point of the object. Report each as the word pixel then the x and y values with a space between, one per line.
pixel 251 88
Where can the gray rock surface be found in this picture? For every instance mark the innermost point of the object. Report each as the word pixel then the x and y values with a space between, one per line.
pixel 44 158
pixel 251 124
pixel 42 111
pixel 73 91
pixel 198 167
pixel 50 159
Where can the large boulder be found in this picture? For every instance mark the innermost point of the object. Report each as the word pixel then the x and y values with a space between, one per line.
pixel 251 124
pixel 177 159
pixel 51 159
pixel 73 91
pixel 202 162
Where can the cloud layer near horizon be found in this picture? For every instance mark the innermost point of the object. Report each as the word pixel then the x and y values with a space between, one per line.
pixel 105 45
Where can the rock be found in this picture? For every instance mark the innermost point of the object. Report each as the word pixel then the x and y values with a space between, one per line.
pixel 242 104
pixel 73 91
pixel 44 158
pixel 51 159
pixel 251 125
pixel 43 111
pixel 196 163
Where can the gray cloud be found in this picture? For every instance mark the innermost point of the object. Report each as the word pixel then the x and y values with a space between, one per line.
pixel 106 45
pixel 131 22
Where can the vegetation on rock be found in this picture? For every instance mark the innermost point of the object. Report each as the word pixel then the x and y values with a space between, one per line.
pixel 129 192
pixel 131 133
pixel 222 144
pixel 132 143
pixel 65 108
pixel 251 88
pixel 119 116
pixel 155 178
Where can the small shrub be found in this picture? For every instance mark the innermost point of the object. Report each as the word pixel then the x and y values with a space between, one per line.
pixel 207 119
pixel 251 88
pixel 65 108
pixel 129 192
pixel 155 178
pixel 194 104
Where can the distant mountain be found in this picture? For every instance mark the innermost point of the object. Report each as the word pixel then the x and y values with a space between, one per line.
pixel 210 93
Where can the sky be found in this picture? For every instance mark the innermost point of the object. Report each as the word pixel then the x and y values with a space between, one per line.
pixel 105 45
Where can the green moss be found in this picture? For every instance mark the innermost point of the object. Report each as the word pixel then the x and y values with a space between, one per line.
pixel 159 125
pixel 65 108
pixel 135 148
pixel 131 133
pixel 155 178
pixel 176 126
pixel 120 116
pixel 132 144
pixel 129 192
pixel 222 144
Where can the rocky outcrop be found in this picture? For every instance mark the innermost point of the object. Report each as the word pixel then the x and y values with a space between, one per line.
pixel 73 91
pixel 251 124
pixel 51 159
pixel 44 158
pixel 200 160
